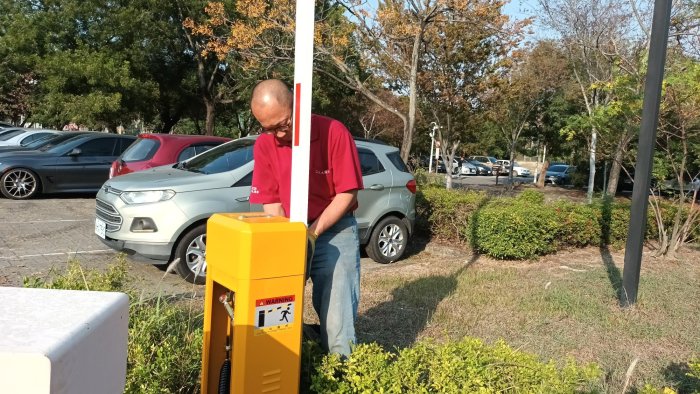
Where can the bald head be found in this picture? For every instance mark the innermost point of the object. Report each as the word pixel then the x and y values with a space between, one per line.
pixel 271 92
pixel 271 104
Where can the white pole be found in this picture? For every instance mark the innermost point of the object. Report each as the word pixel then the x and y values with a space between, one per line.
pixel 432 142
pixel 301 122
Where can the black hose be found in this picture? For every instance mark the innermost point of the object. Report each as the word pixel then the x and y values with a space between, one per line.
pixel 225 378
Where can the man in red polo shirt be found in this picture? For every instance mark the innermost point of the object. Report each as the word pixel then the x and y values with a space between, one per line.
pixel 334 179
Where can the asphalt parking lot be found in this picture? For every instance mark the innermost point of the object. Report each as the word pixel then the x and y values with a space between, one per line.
pixel 39 235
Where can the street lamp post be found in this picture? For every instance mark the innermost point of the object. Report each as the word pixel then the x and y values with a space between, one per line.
pixel 432 144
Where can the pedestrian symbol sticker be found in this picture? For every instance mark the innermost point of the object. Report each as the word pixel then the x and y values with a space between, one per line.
pixel 274 313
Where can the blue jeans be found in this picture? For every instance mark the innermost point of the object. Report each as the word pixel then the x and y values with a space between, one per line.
pixel 335 273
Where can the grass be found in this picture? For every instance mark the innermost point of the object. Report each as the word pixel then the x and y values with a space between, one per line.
pixel 562 305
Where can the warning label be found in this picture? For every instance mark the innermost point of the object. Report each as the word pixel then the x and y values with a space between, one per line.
pixel 274 313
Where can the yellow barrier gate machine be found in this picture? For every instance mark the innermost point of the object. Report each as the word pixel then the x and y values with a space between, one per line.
pixel 253 304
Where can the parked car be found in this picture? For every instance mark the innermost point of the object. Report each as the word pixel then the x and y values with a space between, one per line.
pixel 45 142
pixel 504 166
pixel 519 170
pixel 79 164
pixel 559 174
pixel 488 161
pixel 153 150
pixel 481 169
pixel 467 168
pixel 441 166
pixel 6 130
pixel 161 213
pixel 24 137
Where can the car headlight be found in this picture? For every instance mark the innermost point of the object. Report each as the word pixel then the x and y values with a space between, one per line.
pixel 145 197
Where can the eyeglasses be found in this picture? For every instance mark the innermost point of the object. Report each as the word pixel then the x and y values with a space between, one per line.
pixel 284 126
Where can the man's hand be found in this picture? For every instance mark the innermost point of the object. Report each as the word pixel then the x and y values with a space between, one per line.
pixel 311 238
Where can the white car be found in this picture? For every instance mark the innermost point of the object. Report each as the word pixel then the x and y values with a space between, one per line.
pixel 23 137
pixel 467 168
pixel 519 170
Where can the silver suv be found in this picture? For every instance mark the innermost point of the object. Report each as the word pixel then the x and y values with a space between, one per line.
pixel 161 213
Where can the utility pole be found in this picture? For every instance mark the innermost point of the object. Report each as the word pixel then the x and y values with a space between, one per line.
pixel 645 154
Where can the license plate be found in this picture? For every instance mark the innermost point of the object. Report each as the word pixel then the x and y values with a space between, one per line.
pixel 100 228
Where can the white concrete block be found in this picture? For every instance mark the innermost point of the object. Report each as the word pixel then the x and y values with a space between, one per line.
pixel 62 341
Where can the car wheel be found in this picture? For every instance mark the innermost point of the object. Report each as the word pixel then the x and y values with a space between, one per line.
pixel 191 252
pixel 455 171
pixel 19 184
pixel 388 241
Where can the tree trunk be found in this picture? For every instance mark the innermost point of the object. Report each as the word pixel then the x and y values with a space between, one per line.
pixel 591 165
pixel 540 165
pixel 511 158
pixel 412 96
pixel 209 123
pixel 168 122
pixel 615 171
pixel 543 174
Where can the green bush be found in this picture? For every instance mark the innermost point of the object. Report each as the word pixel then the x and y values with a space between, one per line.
pixel 694 366
pixel 446 214
pixel 425 179
pixel 579 225
pixel 467 366
pixel 531 196
pixel 165 337
pixel 615 218
pixel 511 229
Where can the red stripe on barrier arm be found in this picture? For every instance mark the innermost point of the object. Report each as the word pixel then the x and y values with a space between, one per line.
pixel 297 99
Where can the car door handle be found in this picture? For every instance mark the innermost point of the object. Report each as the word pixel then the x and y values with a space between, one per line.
pixel 243 199
pixel 377 187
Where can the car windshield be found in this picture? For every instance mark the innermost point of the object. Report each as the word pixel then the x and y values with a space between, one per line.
pixel 493 160
pixel 223 158
pixel 39 142
pixel 57 147
pixel 475 162
pixel 44 145
pixel 142 149
pixel 558 168
pixel 11 134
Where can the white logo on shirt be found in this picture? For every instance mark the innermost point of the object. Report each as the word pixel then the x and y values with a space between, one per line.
pixel 254 190
pixel 322 172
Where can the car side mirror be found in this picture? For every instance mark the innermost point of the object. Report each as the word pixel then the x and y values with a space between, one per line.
pixel 75 152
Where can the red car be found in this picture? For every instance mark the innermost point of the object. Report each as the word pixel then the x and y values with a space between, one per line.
pixel 153 150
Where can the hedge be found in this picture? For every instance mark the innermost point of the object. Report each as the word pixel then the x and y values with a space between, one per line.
pixel 526 226
pixel 514 229
pixel 446 214
pixel 466 366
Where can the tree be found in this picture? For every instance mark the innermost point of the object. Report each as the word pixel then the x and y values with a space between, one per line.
pixel 372 50
pixel 458 69
pixel 519 98
pixel 589 32
pixel 679 140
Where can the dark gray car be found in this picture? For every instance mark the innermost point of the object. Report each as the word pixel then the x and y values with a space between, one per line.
pixel 161 213
pixel 78 165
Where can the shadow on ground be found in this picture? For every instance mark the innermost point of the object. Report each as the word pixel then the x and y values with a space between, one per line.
pixel 614 274
pixel 398 322
pixel 677 375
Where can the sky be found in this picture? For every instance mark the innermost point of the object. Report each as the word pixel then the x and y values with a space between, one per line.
pixel 521 9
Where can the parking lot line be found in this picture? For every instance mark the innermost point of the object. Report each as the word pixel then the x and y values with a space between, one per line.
pixel 50 221
pixel 26 256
